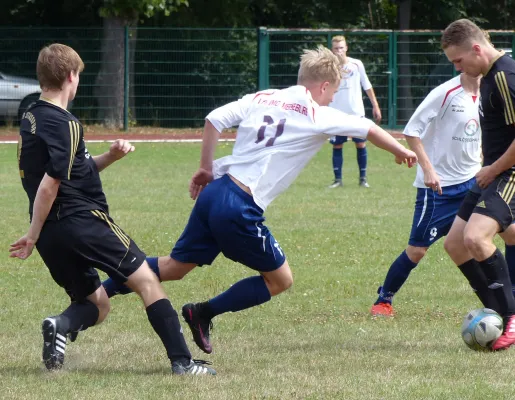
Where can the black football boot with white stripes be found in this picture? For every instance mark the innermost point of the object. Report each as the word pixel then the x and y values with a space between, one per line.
pixel 54 344
pixel 195 367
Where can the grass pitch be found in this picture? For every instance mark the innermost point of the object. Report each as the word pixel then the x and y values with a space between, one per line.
pixel 316 341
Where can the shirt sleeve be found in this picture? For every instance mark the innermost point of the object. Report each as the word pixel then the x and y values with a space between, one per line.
pixel 333 122
pixel 231 114
pixel 505 82
pixel 425 113
pixel 62 139
pixel 365 82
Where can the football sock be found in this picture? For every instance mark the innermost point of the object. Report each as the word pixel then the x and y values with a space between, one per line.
pixel 498 278
pixel 79 316
pixel 165 322
pixel 395 278
pixel 113 287
pixel 510 260
pixel 248 292
pixel 362 156
pixel 477 280
pixel 337 163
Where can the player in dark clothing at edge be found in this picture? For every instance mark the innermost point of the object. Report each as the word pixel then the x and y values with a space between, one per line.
pixel 489 207
pixel 70 223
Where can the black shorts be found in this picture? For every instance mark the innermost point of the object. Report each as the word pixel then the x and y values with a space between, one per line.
pixel 496 201
pixel 72 248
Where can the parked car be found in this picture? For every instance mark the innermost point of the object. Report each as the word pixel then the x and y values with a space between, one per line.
pixel 16 95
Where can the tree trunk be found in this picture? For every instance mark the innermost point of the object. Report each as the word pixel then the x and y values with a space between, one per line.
pixel 404 98
pixel 109 85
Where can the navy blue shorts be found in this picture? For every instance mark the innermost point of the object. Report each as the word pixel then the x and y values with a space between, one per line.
pixel 335 140
pixel 225 219
pixel 434 213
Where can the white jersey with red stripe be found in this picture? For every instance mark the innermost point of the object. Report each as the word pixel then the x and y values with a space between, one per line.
pixel 279 132
pixel 447 122
pixel 349 98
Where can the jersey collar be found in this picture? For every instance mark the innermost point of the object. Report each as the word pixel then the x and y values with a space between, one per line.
pixel 501 53
pixel 52 102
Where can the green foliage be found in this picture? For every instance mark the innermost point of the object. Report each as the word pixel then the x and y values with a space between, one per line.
pixel 130 9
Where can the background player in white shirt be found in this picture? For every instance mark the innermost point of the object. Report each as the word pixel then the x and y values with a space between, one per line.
pixel 350 100
pixel 444 131
pixel 279 132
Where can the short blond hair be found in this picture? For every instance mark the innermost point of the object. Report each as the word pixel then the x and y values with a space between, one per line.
pixel 320 65
pixel 55 62
pixel 338 38
pixel 461 32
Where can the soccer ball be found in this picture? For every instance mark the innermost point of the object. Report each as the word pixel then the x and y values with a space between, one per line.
pixel 481 328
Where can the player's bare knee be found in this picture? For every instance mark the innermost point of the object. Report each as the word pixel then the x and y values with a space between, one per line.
pixel 416 254
pixel 509 235
pixel 473 241
pixel 173 270
pixel 103 310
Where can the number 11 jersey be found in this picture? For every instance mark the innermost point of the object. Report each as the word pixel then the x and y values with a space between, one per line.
pixel 279 131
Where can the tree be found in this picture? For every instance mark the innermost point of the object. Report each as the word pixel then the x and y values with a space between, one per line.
pixel 109 87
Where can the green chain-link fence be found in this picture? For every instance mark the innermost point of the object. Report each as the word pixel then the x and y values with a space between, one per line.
pixel 172 77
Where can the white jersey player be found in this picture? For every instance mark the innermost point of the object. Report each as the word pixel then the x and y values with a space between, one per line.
pixel 349 100
pixel 279 132
pixel 445 133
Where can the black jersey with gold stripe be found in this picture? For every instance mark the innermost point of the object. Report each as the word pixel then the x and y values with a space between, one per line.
pixel 52 141
pixel 497 108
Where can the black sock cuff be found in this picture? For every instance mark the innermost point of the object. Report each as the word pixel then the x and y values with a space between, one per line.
pixel 161 308
pixel 491 260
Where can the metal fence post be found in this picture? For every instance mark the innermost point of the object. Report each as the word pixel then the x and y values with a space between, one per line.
pixel 263 58
pixel 126 80
pixel 392 80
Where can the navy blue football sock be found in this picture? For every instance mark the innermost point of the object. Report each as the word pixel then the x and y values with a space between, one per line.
pixel 510 260
pixel 337 163
pixel 248 292
pixel 362 161
pixel 395 278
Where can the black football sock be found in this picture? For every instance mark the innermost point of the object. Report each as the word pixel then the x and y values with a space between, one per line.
pixel 79 316
pixel 479 283
pixel 497 274
pixel 165 322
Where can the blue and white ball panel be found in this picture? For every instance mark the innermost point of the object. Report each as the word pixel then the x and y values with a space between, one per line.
pixel 226 219
pixel 434 213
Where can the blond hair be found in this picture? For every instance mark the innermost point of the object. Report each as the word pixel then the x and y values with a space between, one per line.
pixel 339 38
pixel 461 32
pixel 55 62
pixel 319 65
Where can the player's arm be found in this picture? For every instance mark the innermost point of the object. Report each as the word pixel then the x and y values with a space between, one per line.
pixel 62 140
pixel 505 83
pixel 367 87
pixel 385 141
pixel 416 126
pixel 333 122
pixel 119 149
pixel 221 118
pixel 45 197
pixel 431 178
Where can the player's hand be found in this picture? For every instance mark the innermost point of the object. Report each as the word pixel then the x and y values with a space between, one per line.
pixel 407 157
pixel 22 248
pixel 485 176
pixel 120 148
pixel 376 112
pixel 199 181
pixel 432 180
